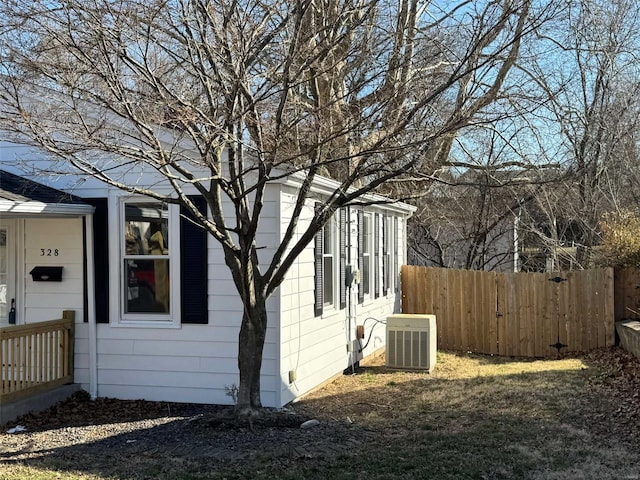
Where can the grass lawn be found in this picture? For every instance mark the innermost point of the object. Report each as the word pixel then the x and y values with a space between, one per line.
pixel 473 417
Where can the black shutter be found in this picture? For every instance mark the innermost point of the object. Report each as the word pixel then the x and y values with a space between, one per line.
pixel 385 256
pixel 396 260
pixel 100 257
pixel 319 279
pixel 361 255
pixel 85 296
pixel 376 257
pixel 343 257
pixel 193 266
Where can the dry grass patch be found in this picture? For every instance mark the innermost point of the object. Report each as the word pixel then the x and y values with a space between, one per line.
pixel 460 384
pixel 473 417
pixel 490 417
pixel 24 472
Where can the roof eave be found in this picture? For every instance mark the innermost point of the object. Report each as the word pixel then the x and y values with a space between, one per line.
pixel 9 208
pixel 327 186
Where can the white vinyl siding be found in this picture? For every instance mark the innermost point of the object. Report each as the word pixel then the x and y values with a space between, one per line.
pixel 46 300
pixel 319 348
pixel 194 362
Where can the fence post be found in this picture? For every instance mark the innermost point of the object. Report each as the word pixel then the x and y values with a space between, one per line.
pixel 70 315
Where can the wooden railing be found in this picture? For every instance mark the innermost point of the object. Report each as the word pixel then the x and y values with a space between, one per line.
pixel 36 357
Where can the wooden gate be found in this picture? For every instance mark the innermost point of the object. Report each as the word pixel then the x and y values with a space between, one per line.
pixel 627 293
pixel 515 314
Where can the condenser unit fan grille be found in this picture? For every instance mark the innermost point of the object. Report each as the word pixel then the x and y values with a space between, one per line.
pixel 411 341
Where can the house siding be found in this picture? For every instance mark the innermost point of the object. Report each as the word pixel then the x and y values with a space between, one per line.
pixel 192 363
pixel 319 347
pixel 43 238
pixel 195 362
pixel 46 300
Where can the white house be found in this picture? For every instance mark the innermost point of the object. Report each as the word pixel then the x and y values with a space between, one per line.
pixel 157 315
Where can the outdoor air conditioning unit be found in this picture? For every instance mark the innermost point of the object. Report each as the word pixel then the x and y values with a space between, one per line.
pixel 411 341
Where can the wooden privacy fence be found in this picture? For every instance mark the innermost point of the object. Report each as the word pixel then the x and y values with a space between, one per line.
pixel 627 293
pixel 515 314
pixel 36 357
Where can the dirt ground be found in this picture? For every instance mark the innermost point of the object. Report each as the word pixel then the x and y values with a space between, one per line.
pixel 367 408
pixel 83 428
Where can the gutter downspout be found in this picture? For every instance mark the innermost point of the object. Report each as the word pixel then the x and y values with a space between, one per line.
pixel 91 309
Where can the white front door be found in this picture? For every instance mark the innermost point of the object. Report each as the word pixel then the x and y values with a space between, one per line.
pixel 8 251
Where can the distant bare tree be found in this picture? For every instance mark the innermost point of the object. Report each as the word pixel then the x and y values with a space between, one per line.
pixel 258 90
pixel 591 78
pixel 472 219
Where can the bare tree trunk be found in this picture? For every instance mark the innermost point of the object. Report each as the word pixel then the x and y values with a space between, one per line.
pixel 251 344
pixel 244 266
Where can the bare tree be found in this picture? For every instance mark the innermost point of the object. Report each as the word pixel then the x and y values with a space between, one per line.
pixel 590 77
pixel 258 90
pixel 477 205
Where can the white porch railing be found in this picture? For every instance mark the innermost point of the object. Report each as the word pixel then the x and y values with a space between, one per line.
pixel 36 357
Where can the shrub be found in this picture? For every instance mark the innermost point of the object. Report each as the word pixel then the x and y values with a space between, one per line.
pixel 621 239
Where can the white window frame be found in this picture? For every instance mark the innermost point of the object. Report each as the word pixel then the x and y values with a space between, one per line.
pixel 117 282
pixel 388 246
pixel 331 227
pixel 367 259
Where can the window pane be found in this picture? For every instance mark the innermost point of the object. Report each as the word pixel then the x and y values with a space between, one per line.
pixel 366 233
pixel 146 228
pixel 387 272
pixel 147 288
pixel 328 280
pixel 366 274
pixel 328 237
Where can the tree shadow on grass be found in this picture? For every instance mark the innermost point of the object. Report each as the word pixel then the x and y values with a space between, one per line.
pixel 541 425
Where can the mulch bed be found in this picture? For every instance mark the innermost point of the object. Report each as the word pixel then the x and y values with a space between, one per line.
pixel 83 429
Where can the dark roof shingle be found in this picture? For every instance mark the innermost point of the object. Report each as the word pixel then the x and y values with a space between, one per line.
pixel 16 188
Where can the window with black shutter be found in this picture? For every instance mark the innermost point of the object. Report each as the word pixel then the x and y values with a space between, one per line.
pixel 100 257
pixel 144 242
pixel 396 260
pixel 194 305
pixel 329 262
pixel 361 255
pixel 386 261
pixel 376 256
pixel 318 242
pixel 342 251
pixel 329 266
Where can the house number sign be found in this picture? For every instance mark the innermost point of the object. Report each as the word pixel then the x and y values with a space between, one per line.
pixel 49 252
